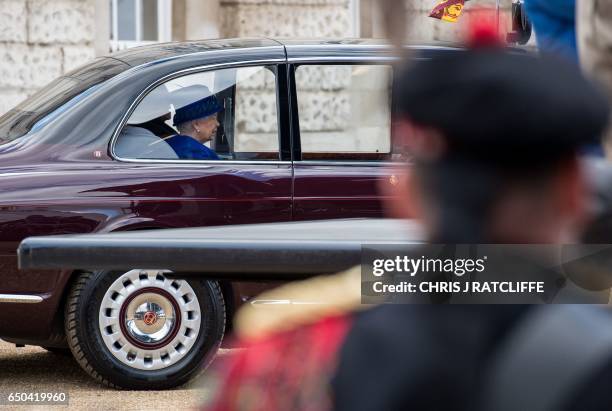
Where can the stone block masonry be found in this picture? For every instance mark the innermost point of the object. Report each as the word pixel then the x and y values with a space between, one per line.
pixel 286 18
pixel 39 41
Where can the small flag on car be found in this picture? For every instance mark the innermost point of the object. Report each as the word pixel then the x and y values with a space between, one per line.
pixel 448 10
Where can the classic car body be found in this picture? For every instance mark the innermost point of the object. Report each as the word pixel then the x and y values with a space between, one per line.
pixel 60 174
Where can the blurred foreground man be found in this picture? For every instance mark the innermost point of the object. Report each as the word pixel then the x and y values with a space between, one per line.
pixel 494 137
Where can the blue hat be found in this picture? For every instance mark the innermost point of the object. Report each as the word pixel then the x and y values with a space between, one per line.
pixel 201 108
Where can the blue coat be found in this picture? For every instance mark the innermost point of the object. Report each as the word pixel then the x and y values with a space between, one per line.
pixel 189 148
pixel 554 22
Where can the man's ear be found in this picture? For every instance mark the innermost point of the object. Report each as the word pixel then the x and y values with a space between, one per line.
pixel 400 194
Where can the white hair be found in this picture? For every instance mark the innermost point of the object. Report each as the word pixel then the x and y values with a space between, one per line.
pixel 186 127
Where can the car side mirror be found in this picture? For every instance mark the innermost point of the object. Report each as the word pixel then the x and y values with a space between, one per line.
pixel 521 25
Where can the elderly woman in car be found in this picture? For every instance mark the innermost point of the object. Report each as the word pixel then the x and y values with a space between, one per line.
pixel 197 124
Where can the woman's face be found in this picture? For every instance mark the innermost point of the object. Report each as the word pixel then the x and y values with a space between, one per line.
pixel 206 128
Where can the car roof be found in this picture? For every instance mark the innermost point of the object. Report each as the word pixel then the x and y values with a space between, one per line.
pixel 146 54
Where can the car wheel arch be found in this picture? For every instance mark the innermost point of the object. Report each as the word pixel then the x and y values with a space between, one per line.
pixel 226 287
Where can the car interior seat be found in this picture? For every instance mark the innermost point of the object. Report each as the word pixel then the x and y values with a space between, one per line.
pixel 138 142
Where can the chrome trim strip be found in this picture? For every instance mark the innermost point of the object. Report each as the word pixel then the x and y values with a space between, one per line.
pixel 334 163
pixel 347 46
pixel 345 59
pixel 20 298
pixel 342 45
pixel 191 70
pixel 270 302
pixel 283 302
pixel 209 163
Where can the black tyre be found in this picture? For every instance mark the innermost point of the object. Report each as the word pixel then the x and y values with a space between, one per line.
pixel 141 330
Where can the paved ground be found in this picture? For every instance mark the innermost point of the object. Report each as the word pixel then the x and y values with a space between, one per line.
pixel 32 369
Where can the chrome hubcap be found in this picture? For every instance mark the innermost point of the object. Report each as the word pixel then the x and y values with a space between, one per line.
pixel 150 318
pixel 148 321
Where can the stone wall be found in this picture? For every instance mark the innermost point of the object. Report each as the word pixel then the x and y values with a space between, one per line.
pixel 39 41
pixel 334 18
pixel 286 18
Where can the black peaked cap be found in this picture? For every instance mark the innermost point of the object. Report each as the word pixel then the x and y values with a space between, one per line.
pixel 494 99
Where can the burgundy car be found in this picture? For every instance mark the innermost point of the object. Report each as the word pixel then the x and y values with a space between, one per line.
pixel 304 133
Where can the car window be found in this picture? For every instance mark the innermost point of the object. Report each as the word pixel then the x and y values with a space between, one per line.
pixel 344 112
pixel 228 114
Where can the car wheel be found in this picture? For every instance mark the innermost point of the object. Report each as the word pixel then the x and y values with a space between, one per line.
pixel 141 330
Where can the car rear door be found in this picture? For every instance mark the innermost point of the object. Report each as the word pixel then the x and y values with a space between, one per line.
pixel 251 182
pixel 341 133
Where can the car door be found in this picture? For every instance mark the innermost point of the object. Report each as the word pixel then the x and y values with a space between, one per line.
pixel 342 138
pixel 250 181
